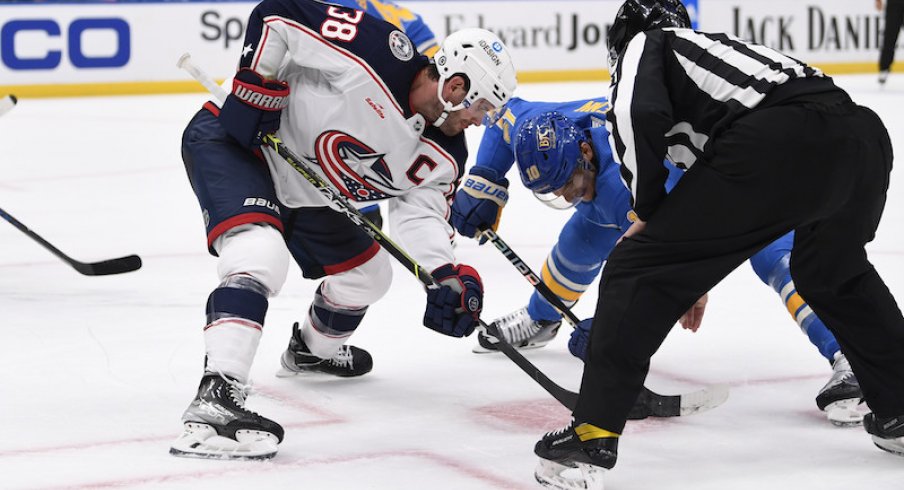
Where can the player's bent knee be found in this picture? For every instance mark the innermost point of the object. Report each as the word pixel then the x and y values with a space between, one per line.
pixel 254 250
pixel 364 285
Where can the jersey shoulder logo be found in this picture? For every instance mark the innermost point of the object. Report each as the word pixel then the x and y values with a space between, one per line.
pixel 401 46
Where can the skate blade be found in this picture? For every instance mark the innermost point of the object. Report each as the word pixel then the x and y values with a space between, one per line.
pixel 201 441
pixel 846 413
pixel 286 373
pixel 704 400
pixel 582 476
pixel 894 446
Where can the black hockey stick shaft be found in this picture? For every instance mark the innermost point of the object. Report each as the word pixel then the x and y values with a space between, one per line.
pixel 339 203
pixel 103 268
pixel 532 277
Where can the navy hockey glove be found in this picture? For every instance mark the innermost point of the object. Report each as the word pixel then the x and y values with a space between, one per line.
pixel 253 108
pixel 478 203
pixel 580 337
pixel 454 307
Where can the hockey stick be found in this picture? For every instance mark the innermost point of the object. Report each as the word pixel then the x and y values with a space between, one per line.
pixel 565 397
pixel 649 403
pixel 7 103
pixel 102 268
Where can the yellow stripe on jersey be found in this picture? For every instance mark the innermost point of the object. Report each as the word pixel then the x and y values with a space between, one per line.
pixel 794 302
pixel 587 432
pixel 557 287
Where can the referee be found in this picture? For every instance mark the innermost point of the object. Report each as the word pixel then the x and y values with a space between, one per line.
pixel 770 145
pixel 894 17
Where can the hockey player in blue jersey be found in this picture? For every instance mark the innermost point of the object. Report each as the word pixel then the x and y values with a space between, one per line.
pixel 576 152
pixel 417 31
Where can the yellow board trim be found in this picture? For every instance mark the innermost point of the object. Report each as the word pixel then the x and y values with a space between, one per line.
pixel 587 432
pixel 102 89
pixel 190 86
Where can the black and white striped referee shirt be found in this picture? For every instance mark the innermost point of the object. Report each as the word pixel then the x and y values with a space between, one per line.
pixel 675 89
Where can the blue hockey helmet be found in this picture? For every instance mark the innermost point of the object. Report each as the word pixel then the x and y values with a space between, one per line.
pixel 547 150
pixel 643 15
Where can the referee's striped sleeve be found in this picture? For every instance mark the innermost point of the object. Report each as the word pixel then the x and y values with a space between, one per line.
pixel 641 116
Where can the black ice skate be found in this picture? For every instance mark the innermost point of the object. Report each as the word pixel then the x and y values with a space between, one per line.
pixel 888 433
pixel 575 457
pixel 841 397
pixel 217 425
pixel 520 330
pixel 349 361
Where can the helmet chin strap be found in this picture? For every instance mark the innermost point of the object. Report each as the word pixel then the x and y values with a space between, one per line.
pixel 448 108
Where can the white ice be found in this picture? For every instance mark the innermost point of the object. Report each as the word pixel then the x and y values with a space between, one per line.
pixel 96 371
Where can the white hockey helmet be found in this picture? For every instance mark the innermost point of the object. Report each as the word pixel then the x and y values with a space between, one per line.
pixel 480 56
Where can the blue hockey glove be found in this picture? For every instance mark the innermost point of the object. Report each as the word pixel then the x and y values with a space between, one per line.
pixel 253 109
pixel 580 337
pixel 454 307
pixel 478 203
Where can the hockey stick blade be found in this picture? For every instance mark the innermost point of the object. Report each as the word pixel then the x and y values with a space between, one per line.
pixel 119 265
pixel 102 268
pixel 7 103
pixel 651 404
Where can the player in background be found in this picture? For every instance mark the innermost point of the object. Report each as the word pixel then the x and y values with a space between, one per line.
pixel 351 95
pixel 554 143
pixel 416 29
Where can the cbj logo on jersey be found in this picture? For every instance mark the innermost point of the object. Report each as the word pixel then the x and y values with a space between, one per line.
pixel 360 173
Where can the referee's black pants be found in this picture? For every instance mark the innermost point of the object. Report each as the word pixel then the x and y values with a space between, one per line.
pixel 822 173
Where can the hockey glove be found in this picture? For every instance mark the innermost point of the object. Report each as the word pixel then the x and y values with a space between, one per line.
pixel 580 337
pixel 478 203
pixel 253 109
pixel 454 307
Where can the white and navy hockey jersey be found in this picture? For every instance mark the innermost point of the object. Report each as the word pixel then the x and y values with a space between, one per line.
pixel 349 117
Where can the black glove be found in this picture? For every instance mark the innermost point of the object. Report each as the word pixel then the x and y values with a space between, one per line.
pixel 478 203
pixel 253 109
pixel 454 307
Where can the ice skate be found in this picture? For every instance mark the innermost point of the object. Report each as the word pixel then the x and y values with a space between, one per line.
pixel 888 433
pixel 519 330
pixel 348 362
pixel 841 398
pixel 575 457
pixel 217 425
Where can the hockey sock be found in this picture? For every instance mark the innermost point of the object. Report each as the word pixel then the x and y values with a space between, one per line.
pixel 235 319
pixel 810 324
pixel 329 325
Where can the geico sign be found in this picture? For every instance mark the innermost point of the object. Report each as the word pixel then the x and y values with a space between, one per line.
pixel 47 53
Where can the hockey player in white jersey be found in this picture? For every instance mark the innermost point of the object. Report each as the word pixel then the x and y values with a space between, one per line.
pixel 350 94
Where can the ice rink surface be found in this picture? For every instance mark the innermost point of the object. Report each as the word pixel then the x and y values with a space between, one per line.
pixel 96 371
